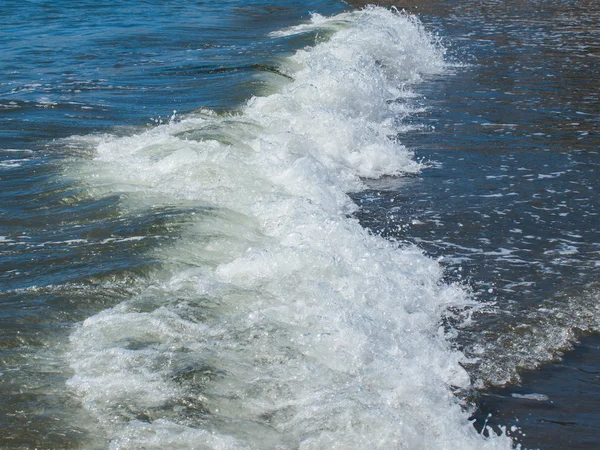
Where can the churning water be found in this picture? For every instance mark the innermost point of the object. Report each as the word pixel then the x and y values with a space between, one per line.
pixel 248 226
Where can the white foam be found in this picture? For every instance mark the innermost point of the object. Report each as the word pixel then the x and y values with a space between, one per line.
pixel 11 163
pixel 278 321
pixel 536 397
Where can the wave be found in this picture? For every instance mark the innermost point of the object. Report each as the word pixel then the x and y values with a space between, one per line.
pixel 277 321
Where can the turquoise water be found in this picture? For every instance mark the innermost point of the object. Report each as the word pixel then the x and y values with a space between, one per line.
pixel 266 225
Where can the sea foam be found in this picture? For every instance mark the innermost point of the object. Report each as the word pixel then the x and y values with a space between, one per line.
pixel 277 321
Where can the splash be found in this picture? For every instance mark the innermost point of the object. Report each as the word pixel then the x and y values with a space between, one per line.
pixel 277 320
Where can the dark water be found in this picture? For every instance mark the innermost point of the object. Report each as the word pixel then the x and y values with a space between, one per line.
pixel 506 203
pixel 510 205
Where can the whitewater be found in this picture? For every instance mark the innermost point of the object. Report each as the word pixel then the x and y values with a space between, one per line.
pixel 275 319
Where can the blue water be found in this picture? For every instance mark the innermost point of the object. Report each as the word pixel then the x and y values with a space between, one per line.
pixel 180 265
pixel 88 66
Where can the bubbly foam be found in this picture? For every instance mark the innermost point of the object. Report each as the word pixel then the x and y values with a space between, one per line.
pixel 278 321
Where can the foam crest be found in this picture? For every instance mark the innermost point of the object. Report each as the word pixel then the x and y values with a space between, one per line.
pixel 278 321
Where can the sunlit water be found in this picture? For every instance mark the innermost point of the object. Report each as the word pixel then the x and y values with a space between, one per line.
pixel 182 267
pixel 509 204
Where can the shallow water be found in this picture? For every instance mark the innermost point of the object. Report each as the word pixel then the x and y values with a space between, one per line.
pixel 555 406
pixel 181 266
pixel 509 203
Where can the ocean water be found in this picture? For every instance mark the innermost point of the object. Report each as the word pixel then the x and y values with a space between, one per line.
pixel 301 225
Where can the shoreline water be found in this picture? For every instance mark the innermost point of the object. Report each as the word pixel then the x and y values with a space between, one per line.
pixel 486 187
pixel 553 405
pixel 547 402
pixel 262 332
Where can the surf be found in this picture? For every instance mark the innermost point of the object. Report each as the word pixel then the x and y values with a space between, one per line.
pixel 276 320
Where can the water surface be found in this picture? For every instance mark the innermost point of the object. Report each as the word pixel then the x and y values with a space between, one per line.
pixel 181 265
